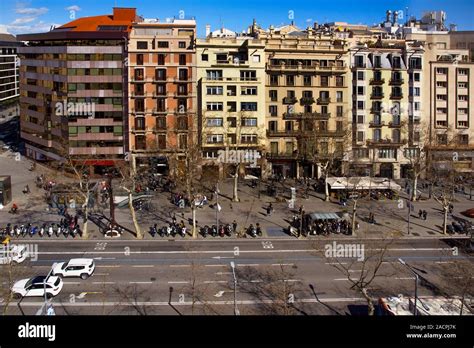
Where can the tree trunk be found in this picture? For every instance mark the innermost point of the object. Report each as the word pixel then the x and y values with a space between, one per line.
pixel 354 213
pixel 138 231
pixel 415 184
pixel 445 220
pixel 326 189
pixel 85 231
pixel 236 184
pixel 370 304
pixel 194 219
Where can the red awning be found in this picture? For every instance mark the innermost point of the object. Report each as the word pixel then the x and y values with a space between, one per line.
pixel 107 163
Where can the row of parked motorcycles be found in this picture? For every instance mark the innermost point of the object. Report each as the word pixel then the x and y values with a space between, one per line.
pixel 461 227
pixel 62 228
pixel 168 231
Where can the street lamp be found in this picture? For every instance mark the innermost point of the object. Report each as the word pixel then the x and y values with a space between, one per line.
pixel 236 310
pixel 416 282
pixel 44 287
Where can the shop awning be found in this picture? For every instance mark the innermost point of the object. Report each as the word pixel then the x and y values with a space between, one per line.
pixel 362 183
pixel 324 216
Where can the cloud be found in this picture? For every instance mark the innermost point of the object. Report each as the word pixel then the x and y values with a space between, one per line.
pixel 73 8
pixel 32 11
pixel 23 20
pixel 39 27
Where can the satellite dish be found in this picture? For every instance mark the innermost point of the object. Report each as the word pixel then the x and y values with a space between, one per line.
pixel 236 60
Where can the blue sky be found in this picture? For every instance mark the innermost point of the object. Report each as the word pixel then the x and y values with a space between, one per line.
pixel 38 15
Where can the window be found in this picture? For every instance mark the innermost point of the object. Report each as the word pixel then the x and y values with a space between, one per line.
pixel 441 97
pixel 248 90
pixel 248 139
pixel 249 122
pixel 360 76
pixel 361 153
pixel 273 95
pixel 360 119
pixel 359 61
pixel 140 59
pixel 339 96
pixel 273 80
pixel 441 71
pixel 324 81
pixel 215 106
pixel 339 111
pixel 248 75
pixel 256 58
pixel 273 110
pixel 290 80
pixel 214 122
pixel 161 59
pixel 162 141
pixel 307 80
pixel 163 44
pixel 182 44
pixel 232 90
pixel 463 124
pixel 441 84
pixel 214 74
pixel 182 89
pixel 160 74
pixel 463 139
pixel 416 77
pixel 215 90
pixel 388 153
pixel 205 57
pixel 442 139
pixel 462 97
pixel 360 90
pixel 417 106
pixel 441 123
pixel 377 134
pixel 360 136
pixel 462 84
pixel 215 139
pixel 273 126
pixel 248 106
pixel 463 71
pixel 339 81
pixel 360 105
pixel 441 110
pixel 142 45
pixel 416 91
pixel 182 59
pixel 339 126
pixel 377 61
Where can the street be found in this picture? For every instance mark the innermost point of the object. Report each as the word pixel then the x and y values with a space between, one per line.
pixel 195 277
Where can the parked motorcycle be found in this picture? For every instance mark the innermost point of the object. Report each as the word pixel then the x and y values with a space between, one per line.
pixel 205 231
pixel 214 230
pixel 252 231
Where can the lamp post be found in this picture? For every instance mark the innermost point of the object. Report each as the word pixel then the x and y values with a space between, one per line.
pixel 236 310
pixel 44 288
pixel 416 283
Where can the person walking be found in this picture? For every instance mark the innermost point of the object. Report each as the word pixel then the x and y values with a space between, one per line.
pixel 269 209
pixel 420 214
pixel 425 214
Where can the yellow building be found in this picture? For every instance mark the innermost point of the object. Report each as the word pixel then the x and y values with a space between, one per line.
pixel 231 101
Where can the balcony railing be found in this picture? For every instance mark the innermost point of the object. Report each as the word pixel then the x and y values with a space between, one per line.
pixel 394 124
pixel 377 96
pixel 307 100
pixel 376 124
pixel 376 110
pixel 281 133
pixel 324 100
pixel 290 100
pixel 397 81
pixel 307 67
pixel 386 142
pixel 396 96
pixel 306 115
pixel 377 82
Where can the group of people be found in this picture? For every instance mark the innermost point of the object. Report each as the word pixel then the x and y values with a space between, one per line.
pixel 325 227
pixel 422 214
pixel 179 200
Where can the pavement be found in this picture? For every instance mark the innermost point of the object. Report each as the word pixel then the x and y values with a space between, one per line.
pixel 195 277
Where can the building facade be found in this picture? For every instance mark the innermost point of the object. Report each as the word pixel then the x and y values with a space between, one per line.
pixel 74 91
pixel 231 94
pixel 162 84
pixel 9 67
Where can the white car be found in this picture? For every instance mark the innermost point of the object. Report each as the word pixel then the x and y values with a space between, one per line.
pixel 82 268
pixel 13 253
pixel 36 287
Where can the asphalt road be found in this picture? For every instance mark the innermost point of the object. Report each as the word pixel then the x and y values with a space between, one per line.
pixel 273 276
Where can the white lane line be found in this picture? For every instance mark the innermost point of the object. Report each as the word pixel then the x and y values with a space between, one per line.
pixel 292 280
pixel 355 270
pixel 215 281
pixel 336 263
pixel 248 264
pixel 180 266
pixel 340 279
pixel 72 283
pixel 251 281
pixel 405 278
pixel 100 274
pixel 178 282
pixel 441 262
pixel 103 282
pixel 216 265
pixel 143 266
pixel 222 273
pixel 283 264
pixel 141 282
pixel 105 266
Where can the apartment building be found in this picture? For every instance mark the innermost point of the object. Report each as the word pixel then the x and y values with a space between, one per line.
pixel 162 85
pixel 307 98
pixel 380 93
pixel 231 94
pixel 74 91
pixel 9 67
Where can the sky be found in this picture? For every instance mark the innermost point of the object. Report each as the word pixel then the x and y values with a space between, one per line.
pixel 32 16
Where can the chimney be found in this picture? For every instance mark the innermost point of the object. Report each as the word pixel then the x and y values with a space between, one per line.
pixel 208 30
pixel 395 17
pixel 388 14
pixel 316 26
pixel 453 27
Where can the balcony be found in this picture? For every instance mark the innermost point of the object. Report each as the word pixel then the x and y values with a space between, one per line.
pixel 281 133
pixel 396 96
pixel 305 68
pixel 137 111
pixel 306 115
pixel 387 142
pixel 290 100
pixel 396 81
pixel 377 96
pixel 394 124
pixel 282 155
pixel 324 100
pixel 376 110
pixel 377 82
pixel 307 100
pixel 138 129
pixel 376 124
pixel 359 66
pixel 156 111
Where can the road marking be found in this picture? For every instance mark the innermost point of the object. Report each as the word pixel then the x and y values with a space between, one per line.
pixel 100 274
pixel 336 263
pixel 179 282
pixel 283 264
pixel 103 282
pixel 355 270
pixel 441 262
pixel 105 266
pixel 267 245
pixel 222 273
pixel 141 282
pixel 249 264
pixel 215 281
pixel 216 265
pixel 292 280
pixel 72 283
pixel 180 266
pixel 404 278
pixel 250 281
pixel 143 266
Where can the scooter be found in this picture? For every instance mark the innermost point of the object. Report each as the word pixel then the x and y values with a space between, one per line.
pixel 205 231
pixel 34 230
pixel 65 232
pixel 163 231
pixel 229 230
pixel 153 231
pixel 42 230
pixel 221 231
pixel 58 230
pixel 214 230
pixel 19 231
pixel 50 230
pixel 259 230
pixel 183 231
pixel 252 231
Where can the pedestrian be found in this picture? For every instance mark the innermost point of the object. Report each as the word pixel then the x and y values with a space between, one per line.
pixel 269 209
pixel 174 219
pixel 234 226
pixel 420 214
pixel 425 214
pixel 451 208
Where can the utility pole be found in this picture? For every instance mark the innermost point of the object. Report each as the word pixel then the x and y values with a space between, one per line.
pixel 217 206
pixel 416 283
pixel 409 213
pixel 236 310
